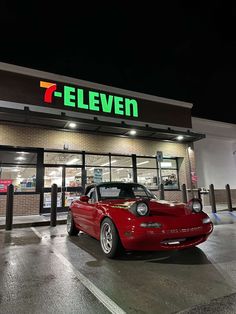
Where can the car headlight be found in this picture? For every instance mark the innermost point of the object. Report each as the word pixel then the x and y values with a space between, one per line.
pixel 142 209
pixel 195 205
pixel 139 209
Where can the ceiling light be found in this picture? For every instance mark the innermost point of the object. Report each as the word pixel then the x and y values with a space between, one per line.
pixel 166 164
pixel 72 125
pixel 107 163
pixel 20 158
pixel 143 162
pixel 23 153
pixel 132 132
pixel 73 161
pixel 180 137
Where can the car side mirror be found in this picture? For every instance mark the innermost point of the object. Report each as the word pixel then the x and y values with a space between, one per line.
pixel 84 198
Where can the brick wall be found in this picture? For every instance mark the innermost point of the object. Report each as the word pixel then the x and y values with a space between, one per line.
pixel 23 205
pixel 53 139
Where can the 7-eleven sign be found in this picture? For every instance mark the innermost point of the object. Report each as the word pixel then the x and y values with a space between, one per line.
pixel 50 89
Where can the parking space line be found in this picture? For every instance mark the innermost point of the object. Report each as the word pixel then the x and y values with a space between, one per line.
pixel 102 297
pixel 36 232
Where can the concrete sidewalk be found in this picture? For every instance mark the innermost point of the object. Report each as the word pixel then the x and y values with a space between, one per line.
pixel 33 220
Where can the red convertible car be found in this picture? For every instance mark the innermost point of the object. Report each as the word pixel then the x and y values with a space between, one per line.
pixel 128 216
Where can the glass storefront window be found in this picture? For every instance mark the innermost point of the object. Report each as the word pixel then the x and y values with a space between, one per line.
pixel 97 160
pixel 97 174
pixel 22 177
pixel 21 157
pixel 122 174
pixel 169 164
pixel 169 174
pixel 73 177
pixel 170 179
pixel 71 196
pixel 121 161
pixel 47 200
pixel 52 175
pixel 62 158
pixel 148 177
pixel 146 162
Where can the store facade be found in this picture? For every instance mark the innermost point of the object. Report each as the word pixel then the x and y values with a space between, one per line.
pixel 55 129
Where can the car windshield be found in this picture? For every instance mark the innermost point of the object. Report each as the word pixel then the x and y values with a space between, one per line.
pixel 122 191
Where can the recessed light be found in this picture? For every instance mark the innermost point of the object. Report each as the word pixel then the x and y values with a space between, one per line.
pixel 132 132
pixel 72 125
pixel 180 137
pixel 20 158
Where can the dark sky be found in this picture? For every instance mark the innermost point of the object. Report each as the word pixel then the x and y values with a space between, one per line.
pixel 185 50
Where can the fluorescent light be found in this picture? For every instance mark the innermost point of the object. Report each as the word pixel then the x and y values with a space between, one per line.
pixel 20 158
pixel 132 132
pixel 166 164
pixel 107 163
pixel 180 137
pixel 23 153
pixel 15 169
pixel 72 125
pixel 143 162
pixel 71 162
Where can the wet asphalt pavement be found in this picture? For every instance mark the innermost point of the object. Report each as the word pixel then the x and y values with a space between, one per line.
pixel 45 271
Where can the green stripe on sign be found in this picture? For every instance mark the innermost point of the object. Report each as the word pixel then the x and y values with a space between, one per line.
pixel 58 94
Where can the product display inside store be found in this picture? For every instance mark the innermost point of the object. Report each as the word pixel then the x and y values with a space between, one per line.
pixel 23 178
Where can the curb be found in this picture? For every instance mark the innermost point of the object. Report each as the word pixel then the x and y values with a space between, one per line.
pixel 34 224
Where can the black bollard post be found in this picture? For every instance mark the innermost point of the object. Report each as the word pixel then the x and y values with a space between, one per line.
pixel 9 207
pixel 184 193
pixel 199 194
pixel 228 195
pixel 53 221
pixel 212 197
pixel 162 192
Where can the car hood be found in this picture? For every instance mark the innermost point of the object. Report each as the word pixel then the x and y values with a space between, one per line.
pixel 157 207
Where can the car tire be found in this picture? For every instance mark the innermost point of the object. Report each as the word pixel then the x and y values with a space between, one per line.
pixel 109 239
pixel 71 229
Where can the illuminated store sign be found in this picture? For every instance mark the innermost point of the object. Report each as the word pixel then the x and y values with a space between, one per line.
pixel 78 98
pixel 90 100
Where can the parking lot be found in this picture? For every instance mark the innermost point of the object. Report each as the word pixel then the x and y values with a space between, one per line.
pixel 45 271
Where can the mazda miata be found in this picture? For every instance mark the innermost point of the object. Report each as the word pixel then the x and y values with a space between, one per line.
pixel 127 216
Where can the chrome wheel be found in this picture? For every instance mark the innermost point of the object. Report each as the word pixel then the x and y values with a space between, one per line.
pixel 106 238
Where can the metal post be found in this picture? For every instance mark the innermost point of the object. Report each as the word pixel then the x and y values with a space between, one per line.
pixel 9 207
pixel 184 193
pixel 228 195
pixel 199 194
pixel 212 197
pixel 53 221
pixel 162 193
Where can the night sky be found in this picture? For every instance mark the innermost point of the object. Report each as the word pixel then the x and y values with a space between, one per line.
pixel 184 50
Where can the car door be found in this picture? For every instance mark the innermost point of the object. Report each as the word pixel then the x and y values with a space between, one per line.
pixel 87 213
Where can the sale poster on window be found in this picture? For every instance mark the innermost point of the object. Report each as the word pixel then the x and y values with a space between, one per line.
pixel 4 184
pixel 97 175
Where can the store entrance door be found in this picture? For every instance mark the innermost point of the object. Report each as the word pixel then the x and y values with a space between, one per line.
pixel 69 182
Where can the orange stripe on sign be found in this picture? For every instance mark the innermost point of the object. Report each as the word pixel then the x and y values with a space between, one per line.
pixel 46 84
